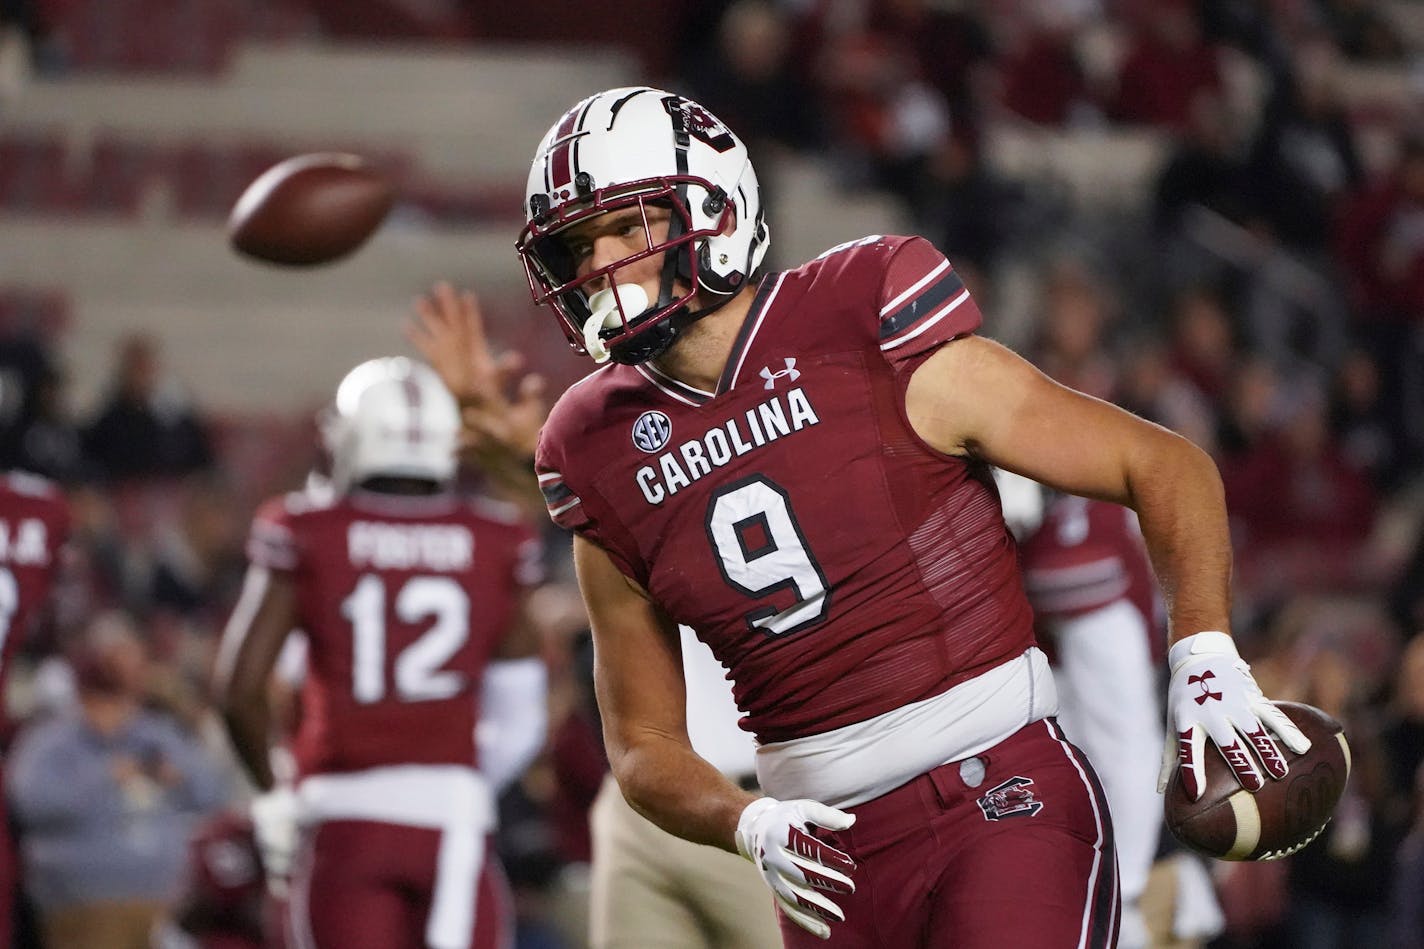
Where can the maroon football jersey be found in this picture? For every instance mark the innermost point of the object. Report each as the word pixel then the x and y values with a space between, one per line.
pixel 837 565
pixel 403 600
pixel 34 523
pixel 1087 554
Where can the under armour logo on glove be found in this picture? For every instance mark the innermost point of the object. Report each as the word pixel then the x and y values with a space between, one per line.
pixel 1207 693
pixel 790 370
pixel 1238 710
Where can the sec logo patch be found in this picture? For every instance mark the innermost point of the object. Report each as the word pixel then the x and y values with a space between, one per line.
pixel 651 431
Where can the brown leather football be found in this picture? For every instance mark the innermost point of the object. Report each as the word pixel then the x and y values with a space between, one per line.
pixel 310 209
pixel 1231 823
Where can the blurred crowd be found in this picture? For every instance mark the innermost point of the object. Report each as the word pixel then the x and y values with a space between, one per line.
pixel 1264 296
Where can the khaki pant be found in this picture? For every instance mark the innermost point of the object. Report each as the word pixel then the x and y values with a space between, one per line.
pixel 119 925
pixel 651 890
pixel 1159 906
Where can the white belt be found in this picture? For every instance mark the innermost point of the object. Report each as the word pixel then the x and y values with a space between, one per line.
pixel 857 763
pixel 452 799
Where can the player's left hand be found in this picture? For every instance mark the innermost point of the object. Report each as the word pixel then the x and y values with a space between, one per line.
pixel 448 328
pixel 799 868
pixel 276 826
pixel 1212 694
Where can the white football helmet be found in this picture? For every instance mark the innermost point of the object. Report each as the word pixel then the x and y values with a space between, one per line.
pixel 631 147
pixel 394 417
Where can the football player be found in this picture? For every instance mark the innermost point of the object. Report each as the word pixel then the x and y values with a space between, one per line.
pixel 34 524
pixel 795 464
pixel 411 599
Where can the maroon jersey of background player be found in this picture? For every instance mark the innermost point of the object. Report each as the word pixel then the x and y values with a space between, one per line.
pixel 843 568
pixel 34 522
pixel 404 600
pixel 1085 555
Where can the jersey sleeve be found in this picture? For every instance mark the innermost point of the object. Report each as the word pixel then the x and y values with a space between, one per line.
pixel 272 542
pixel 922 302
pixel 569 510
pixel 564 505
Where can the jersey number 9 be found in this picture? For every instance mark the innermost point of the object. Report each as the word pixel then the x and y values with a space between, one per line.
pixel 760 550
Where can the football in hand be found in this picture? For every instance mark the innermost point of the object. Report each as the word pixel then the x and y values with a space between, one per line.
pixel 311 209
pixel 1230 823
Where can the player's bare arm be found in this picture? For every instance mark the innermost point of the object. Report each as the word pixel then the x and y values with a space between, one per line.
pixel 976 397
pixel 265 614
pixel 642 695
pixel 522 640
pixel 514 713
pixel 638 676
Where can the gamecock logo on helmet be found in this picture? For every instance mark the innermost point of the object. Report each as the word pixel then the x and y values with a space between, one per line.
pixel 700 124
pixel 1013 798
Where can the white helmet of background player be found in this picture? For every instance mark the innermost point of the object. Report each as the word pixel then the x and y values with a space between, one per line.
pixel 393 417
pixel 631 147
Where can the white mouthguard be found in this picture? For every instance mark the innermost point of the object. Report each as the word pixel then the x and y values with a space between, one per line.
pixel 634 300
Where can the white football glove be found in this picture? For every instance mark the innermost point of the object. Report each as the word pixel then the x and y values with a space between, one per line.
pixel 276 826
pixel 1212 694
pixel 799 868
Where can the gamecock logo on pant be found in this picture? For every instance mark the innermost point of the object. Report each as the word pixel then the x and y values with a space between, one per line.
pixel 1013 798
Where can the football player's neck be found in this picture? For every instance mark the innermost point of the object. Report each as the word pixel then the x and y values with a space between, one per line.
pixel 699 355
pixel 415 487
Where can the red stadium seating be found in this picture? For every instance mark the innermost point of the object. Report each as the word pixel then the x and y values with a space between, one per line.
pixel 32 173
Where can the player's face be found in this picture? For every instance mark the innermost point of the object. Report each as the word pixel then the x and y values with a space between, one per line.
pixel 609 238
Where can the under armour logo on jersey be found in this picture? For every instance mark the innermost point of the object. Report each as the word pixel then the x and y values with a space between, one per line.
pixel 790 370
pixel 1207 693
pixel 651 431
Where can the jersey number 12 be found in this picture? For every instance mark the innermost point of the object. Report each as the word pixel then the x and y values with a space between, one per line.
pixel 418 673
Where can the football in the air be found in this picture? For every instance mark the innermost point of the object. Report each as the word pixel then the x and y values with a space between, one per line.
pixel 311 209
pixel 1231 823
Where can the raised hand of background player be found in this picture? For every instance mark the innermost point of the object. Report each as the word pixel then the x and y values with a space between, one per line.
pixel 1212 694
pixel 448 328
pixel 799 868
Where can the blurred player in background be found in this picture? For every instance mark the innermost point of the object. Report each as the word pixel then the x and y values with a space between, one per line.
pixel 412 602
pixel 1100 620
pixel 795 465
pixel 34 523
